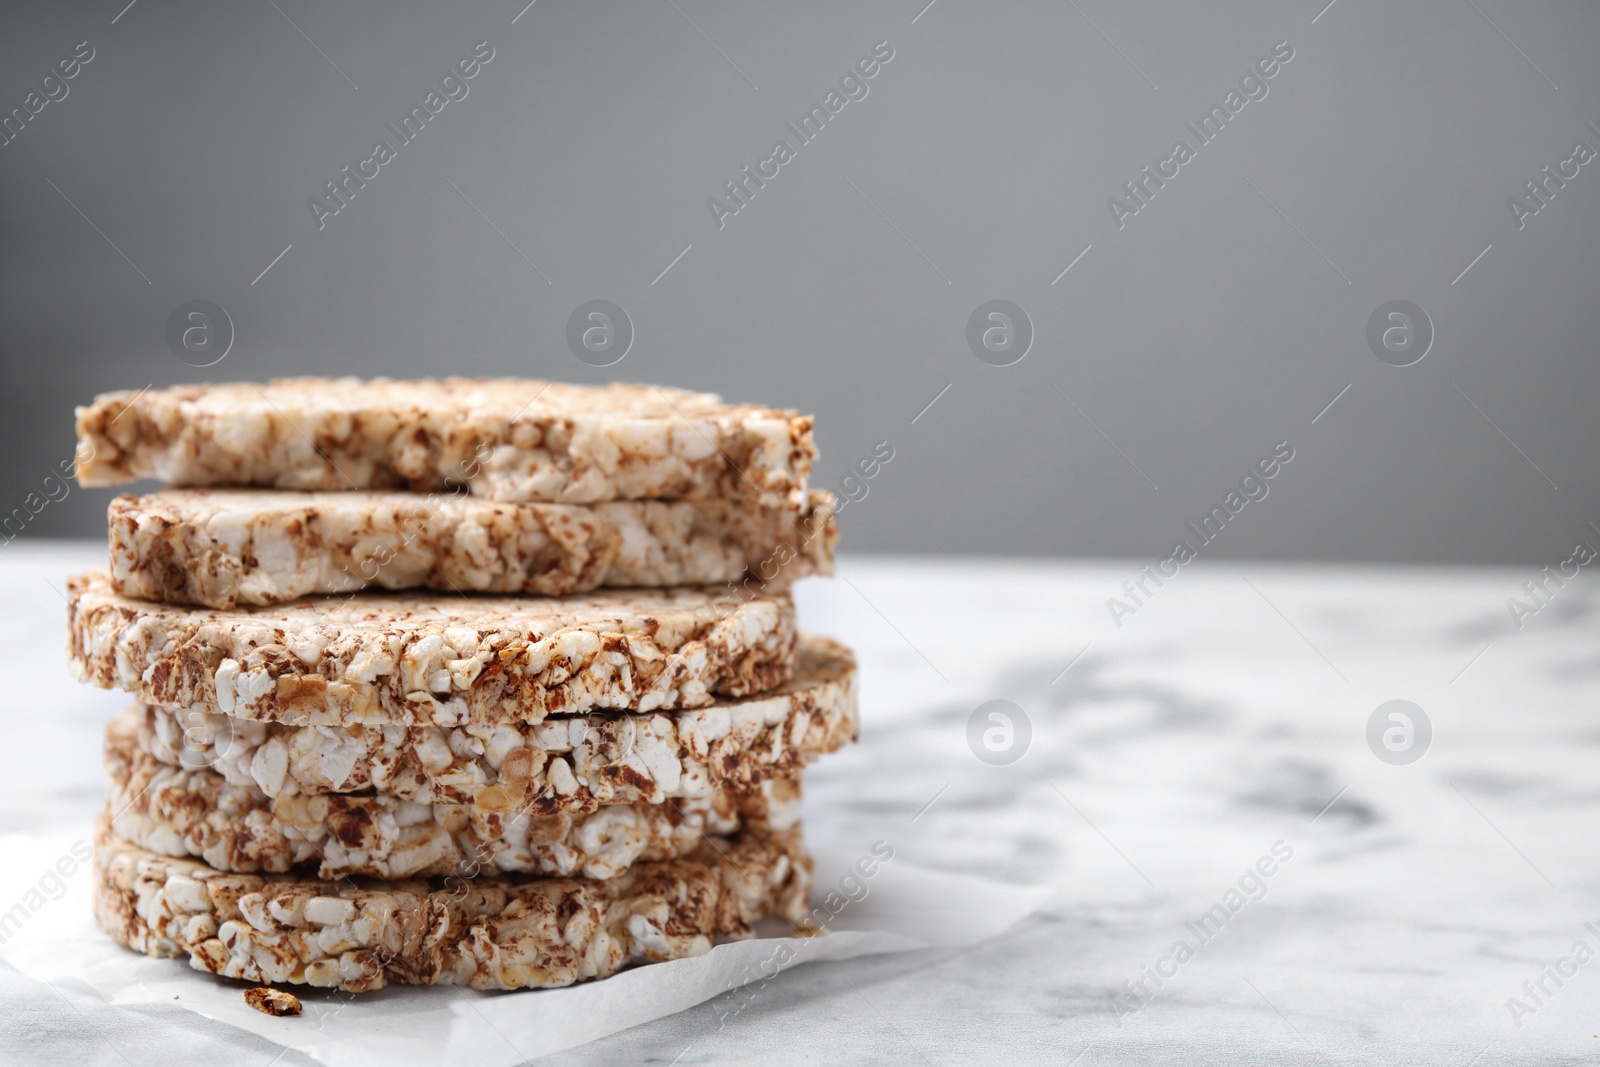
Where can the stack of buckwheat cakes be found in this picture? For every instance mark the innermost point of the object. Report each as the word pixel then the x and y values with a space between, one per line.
pixel 491 682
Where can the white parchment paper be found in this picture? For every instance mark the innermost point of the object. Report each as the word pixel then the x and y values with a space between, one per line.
pixel 901 908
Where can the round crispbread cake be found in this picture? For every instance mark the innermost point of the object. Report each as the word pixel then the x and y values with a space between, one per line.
pixel 179 811
pixel 436 658
pixel 573 763
pixel 505 438
pixel 226 547
pixel 490 932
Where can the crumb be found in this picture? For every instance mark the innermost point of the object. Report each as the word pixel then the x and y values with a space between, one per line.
pixel 271 1001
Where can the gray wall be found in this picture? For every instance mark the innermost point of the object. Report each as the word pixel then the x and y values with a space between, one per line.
pixel 1216 322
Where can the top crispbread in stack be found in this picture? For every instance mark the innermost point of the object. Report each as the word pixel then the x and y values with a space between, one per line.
pixel 507 439
pixel 327 692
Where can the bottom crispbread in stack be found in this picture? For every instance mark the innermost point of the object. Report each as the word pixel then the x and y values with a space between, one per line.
pixel 488 932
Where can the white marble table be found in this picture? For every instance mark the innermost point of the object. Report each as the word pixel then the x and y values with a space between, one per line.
pixel 1226 717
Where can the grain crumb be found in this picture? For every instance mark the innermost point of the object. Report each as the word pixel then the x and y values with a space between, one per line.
pixel 272 1001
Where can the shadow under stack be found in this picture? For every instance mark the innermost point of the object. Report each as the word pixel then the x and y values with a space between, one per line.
pixel 490 682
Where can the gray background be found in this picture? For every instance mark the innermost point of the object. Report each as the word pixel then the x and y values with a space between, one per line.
pixel 1220 321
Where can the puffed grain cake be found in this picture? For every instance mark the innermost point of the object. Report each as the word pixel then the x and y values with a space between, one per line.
pixel 195 812
pixel 490 932
pixel 506 438
pixel 436 658
pixel 568 764
pixel 225 547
